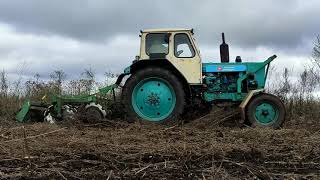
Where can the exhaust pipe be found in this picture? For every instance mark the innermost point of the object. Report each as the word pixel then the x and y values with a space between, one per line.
pixel 224 51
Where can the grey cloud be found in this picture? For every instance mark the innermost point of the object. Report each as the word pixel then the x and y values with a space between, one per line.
pixel 279 24
pixel 44 54
pixel 76 34
pixel 88 20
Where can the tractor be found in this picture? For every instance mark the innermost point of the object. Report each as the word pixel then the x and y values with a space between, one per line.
pixel 168 75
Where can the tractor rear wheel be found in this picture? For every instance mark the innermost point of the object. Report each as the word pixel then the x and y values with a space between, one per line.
pixel 266 110
pixel 153 94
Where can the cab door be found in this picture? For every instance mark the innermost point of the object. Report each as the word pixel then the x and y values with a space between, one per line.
pixel 185 57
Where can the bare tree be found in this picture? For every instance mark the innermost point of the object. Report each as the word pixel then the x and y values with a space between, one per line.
pixel 58 76
pixel 286 86
pixel 316 58
pixel 3 84
pixel 16 88
pixel 109 75
pixel 316 52
pixel 88 79
pixel 35 88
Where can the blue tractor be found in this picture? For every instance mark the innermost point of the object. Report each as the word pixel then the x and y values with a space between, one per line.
pixel 168 75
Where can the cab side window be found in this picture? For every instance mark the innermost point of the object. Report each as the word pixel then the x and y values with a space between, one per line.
pixel 182 46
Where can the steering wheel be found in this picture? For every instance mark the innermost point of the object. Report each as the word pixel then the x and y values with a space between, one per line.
pixel 179 52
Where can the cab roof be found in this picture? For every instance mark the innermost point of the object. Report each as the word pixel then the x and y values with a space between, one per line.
pixel 165 30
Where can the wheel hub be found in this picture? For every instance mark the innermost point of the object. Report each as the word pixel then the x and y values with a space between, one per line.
pixel 266 113
pixel 153 99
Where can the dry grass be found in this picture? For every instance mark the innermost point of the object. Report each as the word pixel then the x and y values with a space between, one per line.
pixel 207 148
pixel 117 150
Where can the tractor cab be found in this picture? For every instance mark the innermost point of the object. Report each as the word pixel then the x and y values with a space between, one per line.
pixel 175 45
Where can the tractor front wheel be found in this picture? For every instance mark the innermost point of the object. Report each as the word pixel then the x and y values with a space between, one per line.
pixel 266 110
pixel 153 94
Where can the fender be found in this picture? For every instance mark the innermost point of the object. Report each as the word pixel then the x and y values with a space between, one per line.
pixel 164 63
pixel 246 100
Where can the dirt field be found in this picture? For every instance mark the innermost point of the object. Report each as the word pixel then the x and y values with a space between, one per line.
pixel 197 150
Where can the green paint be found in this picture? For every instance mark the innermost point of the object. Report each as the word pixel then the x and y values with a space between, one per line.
pixel 59 100
pixel 107 89
pixel 127 70
pixel 266 113
pixel 256 68
pixel 153 99
pixel 223 96
pixel 22 114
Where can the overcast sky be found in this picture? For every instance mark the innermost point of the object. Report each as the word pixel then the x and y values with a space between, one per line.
pixel 40 36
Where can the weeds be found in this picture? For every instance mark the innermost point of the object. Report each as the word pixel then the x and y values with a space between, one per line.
pixel 12 94
pixel 300 95
pixel 118 150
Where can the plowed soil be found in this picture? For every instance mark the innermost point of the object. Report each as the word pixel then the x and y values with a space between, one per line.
pixel 201 149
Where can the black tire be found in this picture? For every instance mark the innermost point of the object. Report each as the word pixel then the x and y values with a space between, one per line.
pixel 154 72
pixel 270 99
pixel 93 115
pixel 34 116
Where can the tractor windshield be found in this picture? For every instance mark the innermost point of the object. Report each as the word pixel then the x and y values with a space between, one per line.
pixel 157 44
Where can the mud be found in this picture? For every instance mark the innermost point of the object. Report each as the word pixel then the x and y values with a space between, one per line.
pixel 197 150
